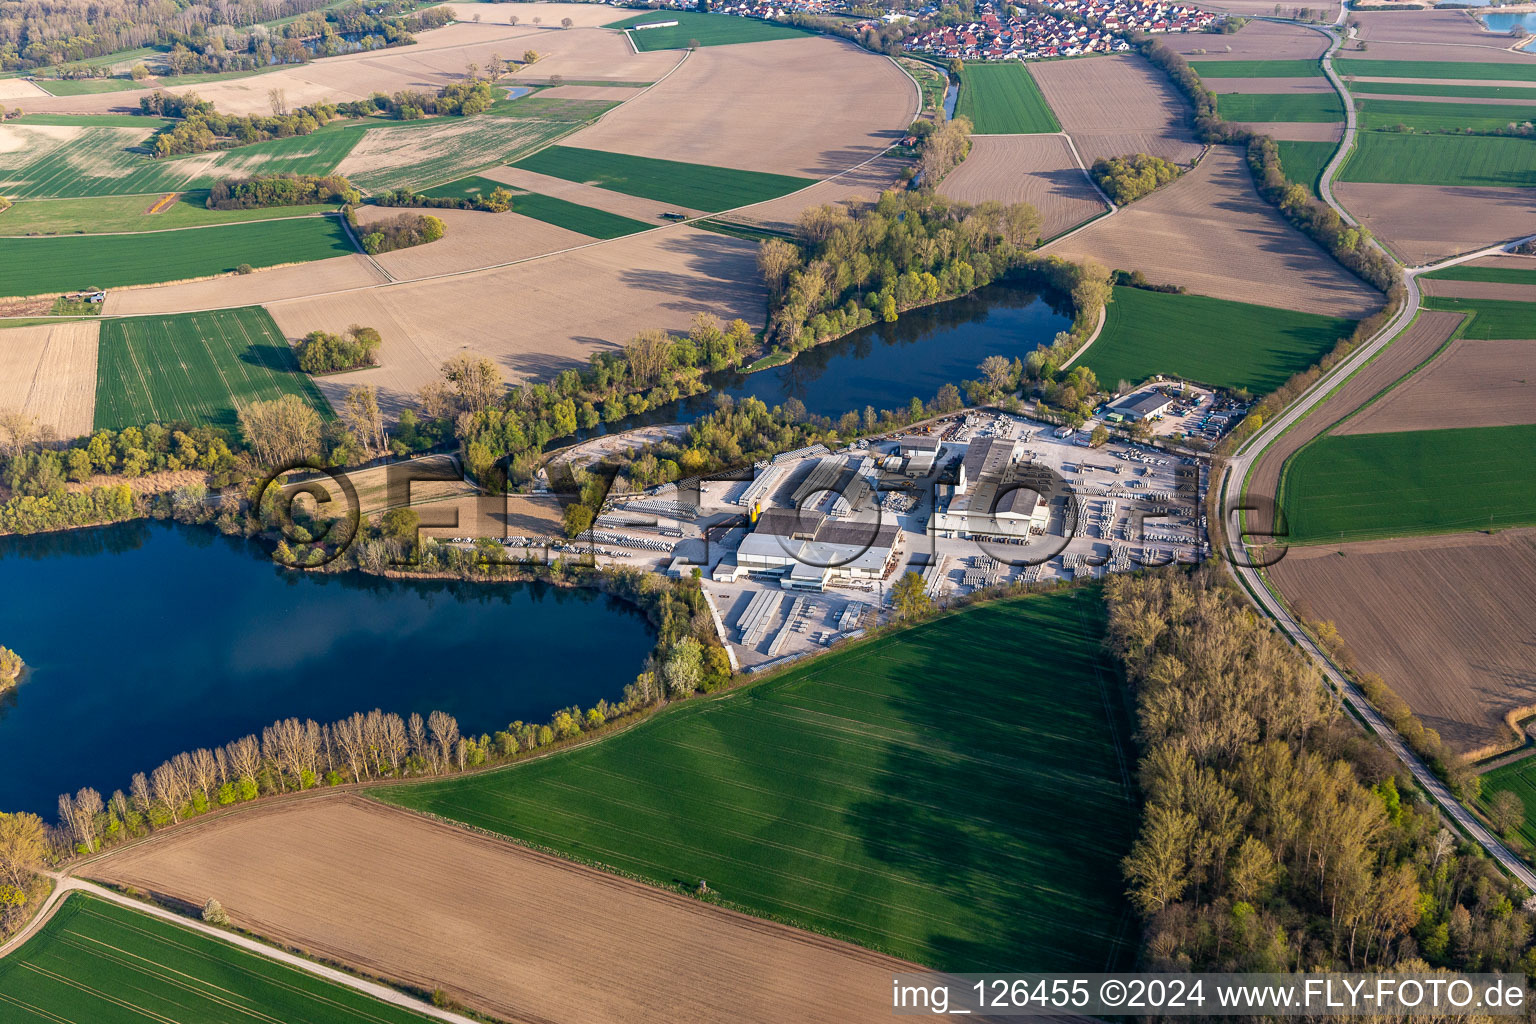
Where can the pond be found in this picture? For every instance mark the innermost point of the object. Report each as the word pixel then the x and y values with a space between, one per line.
pixel 145 639
pixel 887 365
pixel 1503 23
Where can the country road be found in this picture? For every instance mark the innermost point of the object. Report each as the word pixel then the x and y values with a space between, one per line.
pixel 1233 486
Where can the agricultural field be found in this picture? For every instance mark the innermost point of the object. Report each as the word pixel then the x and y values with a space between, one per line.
pixel 1489 319
pixel 1002 99
pixel 1300 106
pixel 1435 116
pixel 705 29
pixel 1426 223
pixel 1356 67
pixel 859 797
pixel 1034 169
pixel 37 266
pixel 131 213
pixel 1365 486
pixel 1257 68
pixel 710 189
pixel 1477 160
pixel 1427 88
pixel 194 368
pixel 1488 274
pixel 1209 341
pixel 585 220
pixel 442 151
pixel 72 162
pixel 48 372
pixel 101 962
pixel 1303 162
pixel 1445 620
pixel 94 121
pixel 1210 232
pixel 1116 105
pixel 1257 41
pixel 297 873
pixel 554 108
pixel 1470 384
pixel 88 86
pixel 1518 778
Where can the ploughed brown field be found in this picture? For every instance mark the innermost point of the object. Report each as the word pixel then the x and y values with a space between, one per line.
pixel 1116 105
pixel 1298 131
pixel 1449 622
pixel 1260 9
pixel 1490 49
pixel 810 106
pixel 1482 290
pixel 1426 223
pixel 503 930
pixel 1440 27
pixel 1035 169
pixel 1257 40
pixel 338 274
pixel 1406 352
pixel 522 315
pixel 585 15
pixel 862 184
pixel 634 207
pixel 473 239
pixel 1471 384
pixel 1210 232
pixel 49 372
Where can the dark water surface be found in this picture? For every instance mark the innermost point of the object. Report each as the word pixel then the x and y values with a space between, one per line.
pixel 146 639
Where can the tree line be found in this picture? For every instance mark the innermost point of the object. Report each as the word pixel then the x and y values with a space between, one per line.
pixel 1275 835
pixel 497 200
pixel 1311 216
pixel 262 190
pixel 201 128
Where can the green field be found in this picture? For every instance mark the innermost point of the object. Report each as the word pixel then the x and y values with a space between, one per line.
pixel 552 108
pixel 1441 160
pixel 1433 116
pixel 97 962
pixel 130 213
pixel 88 86
pixel 1468 70
pixel 1471 92
pixel 38 266
pixel 449 152
pixel 1495 275
pixel 706 29
pixel 1209 341
pixel 1520 779
pixel 1257 68
pixel 107 161
pixel 194 367
pixel 550 210
pixel 1304 161
pixel 1002 99
pixel 1303 106
pixel 960 802
pixel 695 186
pixel 1363 486
pixel 1491 319
pixel 95 120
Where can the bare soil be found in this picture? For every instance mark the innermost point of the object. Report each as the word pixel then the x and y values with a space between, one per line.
pixel 1112 106
pixel 585 15
pixel 1263 9
pixel 1482 290
pixel 503 930
pixel 809 106
pixel 523 316
pixel 1449 622
pixel 1406 352
pixel 1299 131
pixel 19 89
pixel 589 54
pixel 1035 169
pixel 862 184
pixel 1210 232
pixel 318 278
pixel 1426 223
pixel 1439 27
pixel 472 239
pixel 1491 49
pixel 1471 384
pixel 49 372
pixel 589 92
pixel 1359 81
pixel 1491 101
pixel 1257 40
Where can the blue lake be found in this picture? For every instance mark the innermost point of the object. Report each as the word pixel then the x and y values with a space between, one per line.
pixel 1502 23
pixel 146 639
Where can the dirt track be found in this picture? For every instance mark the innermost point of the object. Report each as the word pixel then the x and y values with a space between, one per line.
pixel 1446 621
pixel 1210 232
pixel 1412 348
pixel 1471 384
pixel 503 930
pixel 1035 169
pixel 1425 223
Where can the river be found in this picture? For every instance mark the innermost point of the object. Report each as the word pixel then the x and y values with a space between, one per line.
pixel 145 639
